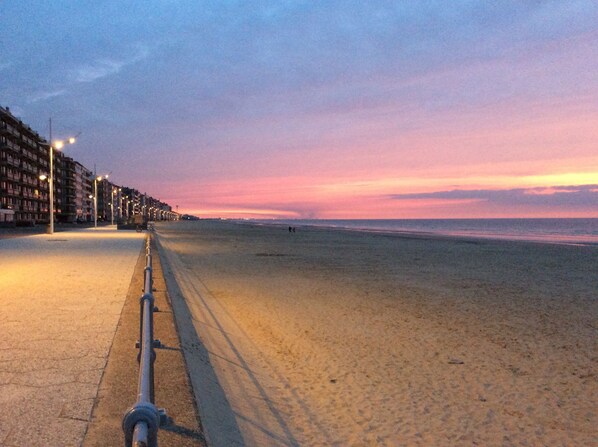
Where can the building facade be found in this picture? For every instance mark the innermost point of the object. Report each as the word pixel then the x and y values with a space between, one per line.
pixel 24 155
pixel 107 199
pixel 76 192
pixel 24 186
pixel 83 193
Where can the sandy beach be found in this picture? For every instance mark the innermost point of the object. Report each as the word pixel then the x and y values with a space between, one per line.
pixel 340 338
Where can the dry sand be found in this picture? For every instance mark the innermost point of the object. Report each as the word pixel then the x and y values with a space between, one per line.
pixel 341 338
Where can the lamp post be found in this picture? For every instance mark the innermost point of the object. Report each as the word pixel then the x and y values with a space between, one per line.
pixel 112 206
pixel 92 198
pixel 95 201
pixel 120 204
pixel 58 145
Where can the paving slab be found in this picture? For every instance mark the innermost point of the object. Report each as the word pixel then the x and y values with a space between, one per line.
pixel 61 297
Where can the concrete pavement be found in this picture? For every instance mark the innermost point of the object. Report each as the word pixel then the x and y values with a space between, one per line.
pixel 61 298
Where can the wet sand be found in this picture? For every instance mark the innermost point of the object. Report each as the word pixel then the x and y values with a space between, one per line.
pixel 326 337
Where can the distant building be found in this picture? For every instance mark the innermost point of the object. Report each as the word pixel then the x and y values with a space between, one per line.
pixel 69 191
pixel 59 202
pixel 83 191
pixel 76 189
pixel 24 155
pixel 107 201
pixel 24 196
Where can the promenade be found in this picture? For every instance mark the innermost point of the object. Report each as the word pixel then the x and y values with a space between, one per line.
pixel 61 298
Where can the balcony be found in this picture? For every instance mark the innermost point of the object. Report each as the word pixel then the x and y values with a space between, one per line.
pixel 29 168
pixel 29 156
pixel 10 162
pixel 10 146
pixel 10 130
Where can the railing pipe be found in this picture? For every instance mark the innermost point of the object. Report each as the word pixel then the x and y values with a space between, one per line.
pixel 145 392
pixel 142 420
pixel 140 435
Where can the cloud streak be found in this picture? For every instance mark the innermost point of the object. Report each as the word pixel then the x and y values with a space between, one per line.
pixel 99 69
pixel 103 67
pixel 562 197
pixel 42 96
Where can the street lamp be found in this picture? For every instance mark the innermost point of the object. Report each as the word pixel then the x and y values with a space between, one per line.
pixel 59 144
pixel 120 204
pixel 112 206
pixel 92 198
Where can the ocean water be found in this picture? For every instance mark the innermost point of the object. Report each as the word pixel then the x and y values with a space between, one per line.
pixel 563 231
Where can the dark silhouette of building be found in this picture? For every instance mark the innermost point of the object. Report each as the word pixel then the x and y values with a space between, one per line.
pixel 24 156
pixel 24 195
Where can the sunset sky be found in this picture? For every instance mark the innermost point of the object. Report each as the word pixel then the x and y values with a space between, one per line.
pixel 319 109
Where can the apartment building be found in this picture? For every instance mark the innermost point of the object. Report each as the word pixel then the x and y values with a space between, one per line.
pixel 24 155
pixel 24 196
pixel 76 192
pixel 107 201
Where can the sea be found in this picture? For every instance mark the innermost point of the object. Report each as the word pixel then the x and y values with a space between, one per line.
pixel 581 231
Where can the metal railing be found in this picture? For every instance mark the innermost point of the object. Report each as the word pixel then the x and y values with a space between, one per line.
pixel 142 421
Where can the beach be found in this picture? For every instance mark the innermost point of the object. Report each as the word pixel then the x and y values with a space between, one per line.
pixel 331 337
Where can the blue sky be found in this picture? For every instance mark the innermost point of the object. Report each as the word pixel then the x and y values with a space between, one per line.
pixel 194 100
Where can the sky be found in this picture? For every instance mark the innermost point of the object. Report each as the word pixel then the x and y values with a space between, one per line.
pixel 319 109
